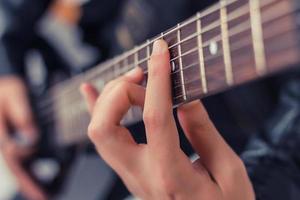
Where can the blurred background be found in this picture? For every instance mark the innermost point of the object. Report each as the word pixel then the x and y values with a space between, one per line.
pixel 63 38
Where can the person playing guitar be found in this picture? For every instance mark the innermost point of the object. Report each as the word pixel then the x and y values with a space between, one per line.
pixel 219 173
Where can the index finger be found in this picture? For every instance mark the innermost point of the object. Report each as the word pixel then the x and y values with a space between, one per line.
pixel 113 141
pixel 158 112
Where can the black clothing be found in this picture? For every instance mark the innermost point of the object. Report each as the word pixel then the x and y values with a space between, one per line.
pixel 272 157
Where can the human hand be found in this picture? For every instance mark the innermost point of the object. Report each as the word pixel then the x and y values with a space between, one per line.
pixel 160 169
pixel 67 11
pixel 15 112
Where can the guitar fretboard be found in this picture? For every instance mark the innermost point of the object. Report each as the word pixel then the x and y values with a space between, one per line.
pixel 232 42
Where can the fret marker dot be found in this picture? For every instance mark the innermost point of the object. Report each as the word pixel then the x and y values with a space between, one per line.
pixel 213 48
pixel 173 66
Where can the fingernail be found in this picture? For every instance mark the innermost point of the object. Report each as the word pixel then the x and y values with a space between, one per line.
pixel 159 47
pixel 132 72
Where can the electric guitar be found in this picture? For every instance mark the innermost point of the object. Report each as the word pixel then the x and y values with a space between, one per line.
pixel 230 43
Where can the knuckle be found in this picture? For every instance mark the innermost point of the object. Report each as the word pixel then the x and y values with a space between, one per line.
pixel 117 86
pixel 109 85
pixel 122 86
pixel 235 169
pixel 235 173
pixel 96 133
pixel 154 119
pixel 92 132
pixel 237 165
pixel 153 69
pixel 167 184
pixel 112 84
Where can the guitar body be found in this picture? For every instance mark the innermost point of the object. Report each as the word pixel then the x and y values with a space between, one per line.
pixel 50 163
pixel 61 169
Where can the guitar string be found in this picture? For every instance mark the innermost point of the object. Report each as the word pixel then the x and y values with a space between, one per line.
pixel 206 12
pixel 119 58
pixel 85 124
pixel 80 134
pixel 193 19
pixel 189 37
pixel 215 39
pixel 84 121
pixel 242 46
pixel 190 66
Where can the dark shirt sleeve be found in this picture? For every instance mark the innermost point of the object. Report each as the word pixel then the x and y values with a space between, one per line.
pixel 19 22
pixel 272 157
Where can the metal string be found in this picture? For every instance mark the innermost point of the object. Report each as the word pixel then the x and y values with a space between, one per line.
pixel 194 35
pixel 110 63
pixel 237 46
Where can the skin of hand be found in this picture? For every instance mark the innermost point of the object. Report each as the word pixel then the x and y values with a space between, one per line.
pixel 160 169
pixel 16 111
pixel 67 11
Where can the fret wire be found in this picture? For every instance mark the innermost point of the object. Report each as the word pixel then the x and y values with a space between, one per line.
pixel 237 48
pixel 244 26
pixel 231 17
pixel 225 42
pixel 257 36
pixel 264 3
pixel 148 50
pixel 268 19
pixel 265 21
pixel 193 19
pixel 196 90
pixel 136 57
pixel 125 60
pixel 180 64
pixel 203 14
pixel 208 28
pixel 49 119
pixel 116 68
pixel 98 69
pixel 201 56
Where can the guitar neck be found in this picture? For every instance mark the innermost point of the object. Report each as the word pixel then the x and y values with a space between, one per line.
pixel 230 43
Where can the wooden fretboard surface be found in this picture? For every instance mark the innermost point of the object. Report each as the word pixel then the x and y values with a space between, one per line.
pixel 230 43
